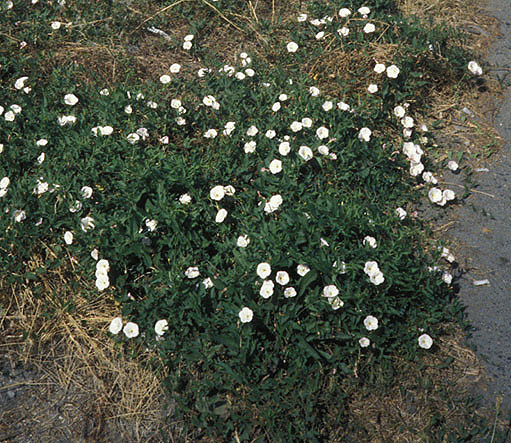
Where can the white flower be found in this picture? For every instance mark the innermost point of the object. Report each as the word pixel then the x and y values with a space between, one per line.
pixel 301 17
pixel 306 122
pixel 263 270
pixel 399 111
pixel 55 25
pixel 19 215
pixel 68 237
pixel 165 79
pixel 266 290
pixel 435 195
pixel 115 325
pixel 70 99
pixel 364 10
pixel 379 68
pixel 41 187
pixel 319 35
pixel 250 147
pixel 275 107
pixel 187 46
pixel 246 315
pixel 371 323
pixel 401 213
pixel 372 88
pixel 240 76
pixel 305 152
pixel 275 166
pixel 344 31
pixel 41 157
pixel 327 106
pixel 452 165
pixel 243 241
pixel 392 71
pixel 425 341
pixel 343 106
pixel 94 254
pixel 192 272
pixel 330 291
pixel 448 195
pixel 86 191
pixel 133 138
pixel 270 133
pixel 41 142
pixel 407 122
pixel 252 131
pixel 302 270
pixel 106 130
pixel 165 140
pixel 292 47
pixel 208 283
pixel 428 178
pixel 15 108
pixel 273 204
pixel 76 206
pixel 185 199
pixel 151 104
pixel 102 282
pixel 104 91
pixel 296 126
pixel 175 68
pixel 284 148
pixel 66 120
pixel 369 28
pixel 180 121
pixel 322 133
pixel 344 12
pixel 371 241
pixel 416 168
pixel 151 224
pixel 283 97
pixel 87 223
pixel 202 72
pixel 289 292
pixel 20 83
pixel 364 342
pixel 314 91
pixel 103 265
pixel 447 277
pixel 364 134
pixel 130 330
pixel 474 68
pixel 335 302
pixel 371 267
pixel 161 326
pixel 282 278
pixel 217 193
pixel 4 183
pixel 9 116
pixel 377 278
pixel 128 109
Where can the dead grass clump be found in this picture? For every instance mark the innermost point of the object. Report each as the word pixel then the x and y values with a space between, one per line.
pixel 81 386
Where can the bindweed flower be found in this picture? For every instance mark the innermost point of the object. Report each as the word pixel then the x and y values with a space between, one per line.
pixel 70 99
pixel 322 133
pixel 364 342
pixel 474 68
pixel 263 270
pixel 301 17
pixel 447 277
pixel 292 47
pixel 252 131
pixel 86 192
pixel 20 83
pixel 372 88
pixel 305 152
pixel 364 10
pixel 282 278
pixel 323 150
pixel 192 272
pixel 115 326
pixel 87 223
pixel 151 225
pixel 401 213
pixel 266 290
pixel 377 278
pixel 161 326
pixel 175 68
pixel 335 302
pixel 425 341
pixel 392 71
pixel 243 241
pixel 275 166
pixel 68 237
pixel 250 147
pixel 371 241
pixel 344 12
pixel 208 283
pixel 379 68
pixel 220 216
pixel 290 292
pixel 217 193
pixel 19 215
pixel 369 28
pixel 102 282
pixel 296 126
pixel 399 111
pixel 364 134
pixel 185 199
pixel 164 79
pixel 130 330
pixel 94 254
pixel 448 195
pixel 330 291
pixel 452 165
pixel 344 31
pixel 314 91
pixel 284 148
pixel 273 204
pixel 210 133
pixel 435 195
pixel 407 122
pixel 246 315
pixel 270 133
pixel 327 106
pixel 306 122
pixel 371 323
pixel 302 270
pixel 64 120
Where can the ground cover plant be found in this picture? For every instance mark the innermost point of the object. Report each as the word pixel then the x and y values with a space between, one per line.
pixel 253 215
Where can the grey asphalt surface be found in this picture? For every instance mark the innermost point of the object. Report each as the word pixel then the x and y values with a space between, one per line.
pixel 483 231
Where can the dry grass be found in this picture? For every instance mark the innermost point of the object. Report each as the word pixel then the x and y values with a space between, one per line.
pixel 83 386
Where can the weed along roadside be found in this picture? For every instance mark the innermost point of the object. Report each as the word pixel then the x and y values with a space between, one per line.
pixel 205 206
